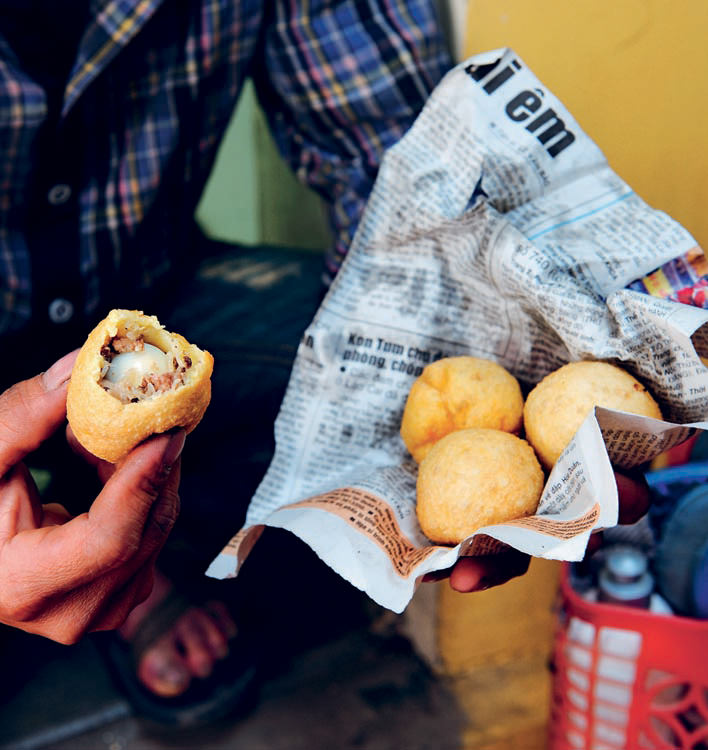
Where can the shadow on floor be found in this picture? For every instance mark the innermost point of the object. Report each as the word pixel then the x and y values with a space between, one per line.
pixel 361 690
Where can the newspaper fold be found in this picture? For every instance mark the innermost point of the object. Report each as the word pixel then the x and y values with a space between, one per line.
pixel 497 229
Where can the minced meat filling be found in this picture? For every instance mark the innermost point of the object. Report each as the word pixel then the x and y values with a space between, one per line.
pixel 160 383
pixel 134 371
pixel 121 344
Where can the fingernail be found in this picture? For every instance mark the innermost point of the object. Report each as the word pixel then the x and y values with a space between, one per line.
pixel 173 675
pixel 174 447
pixel 59 372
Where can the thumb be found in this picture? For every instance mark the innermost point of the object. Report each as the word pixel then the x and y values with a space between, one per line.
pixel 31 411
pixel 139 497
pixel 634 495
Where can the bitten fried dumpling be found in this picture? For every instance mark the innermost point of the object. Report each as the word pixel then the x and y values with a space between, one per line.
pixel 133 379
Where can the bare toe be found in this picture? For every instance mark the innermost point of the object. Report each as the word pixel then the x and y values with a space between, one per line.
pixel 193 641
pixel 163 670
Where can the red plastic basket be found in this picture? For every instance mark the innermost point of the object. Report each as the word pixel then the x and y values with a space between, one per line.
pixel 627 678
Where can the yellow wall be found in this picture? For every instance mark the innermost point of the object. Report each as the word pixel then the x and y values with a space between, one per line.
pixel 634 73
pixel 494 647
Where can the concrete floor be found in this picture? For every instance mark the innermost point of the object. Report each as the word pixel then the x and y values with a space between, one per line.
pixel 362 690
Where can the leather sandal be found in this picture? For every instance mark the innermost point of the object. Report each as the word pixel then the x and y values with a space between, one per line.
pixel 228 689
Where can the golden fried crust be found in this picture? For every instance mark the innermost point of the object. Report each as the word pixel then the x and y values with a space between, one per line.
pixel 557 406
pixel 457 393
pixel 473 478
pixel 109 428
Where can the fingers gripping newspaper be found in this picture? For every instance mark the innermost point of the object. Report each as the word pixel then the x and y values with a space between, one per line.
pixel 495 229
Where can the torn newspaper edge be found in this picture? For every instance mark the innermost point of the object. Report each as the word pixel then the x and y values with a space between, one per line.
pixel 495 229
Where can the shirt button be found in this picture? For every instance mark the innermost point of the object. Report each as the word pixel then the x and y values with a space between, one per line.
pixel 59 194
pixel 60 310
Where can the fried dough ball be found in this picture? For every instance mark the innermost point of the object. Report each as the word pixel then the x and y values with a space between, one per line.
pixel 473 478
pixel 558 405
pixel 133 379
pixel 457 393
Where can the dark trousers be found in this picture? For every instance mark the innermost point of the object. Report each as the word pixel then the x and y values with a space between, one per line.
pixel 249 308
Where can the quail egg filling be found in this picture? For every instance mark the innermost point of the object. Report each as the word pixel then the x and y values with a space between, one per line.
pixel 133 370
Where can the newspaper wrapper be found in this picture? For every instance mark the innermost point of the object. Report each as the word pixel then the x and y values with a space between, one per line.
pixel 496 229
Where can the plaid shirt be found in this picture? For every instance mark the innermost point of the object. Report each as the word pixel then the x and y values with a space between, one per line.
pixel 97 202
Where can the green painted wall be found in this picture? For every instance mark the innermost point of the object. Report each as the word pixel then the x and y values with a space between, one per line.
pixel 252 197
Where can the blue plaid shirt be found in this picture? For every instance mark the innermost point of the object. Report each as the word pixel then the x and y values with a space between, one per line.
pixel 97 199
